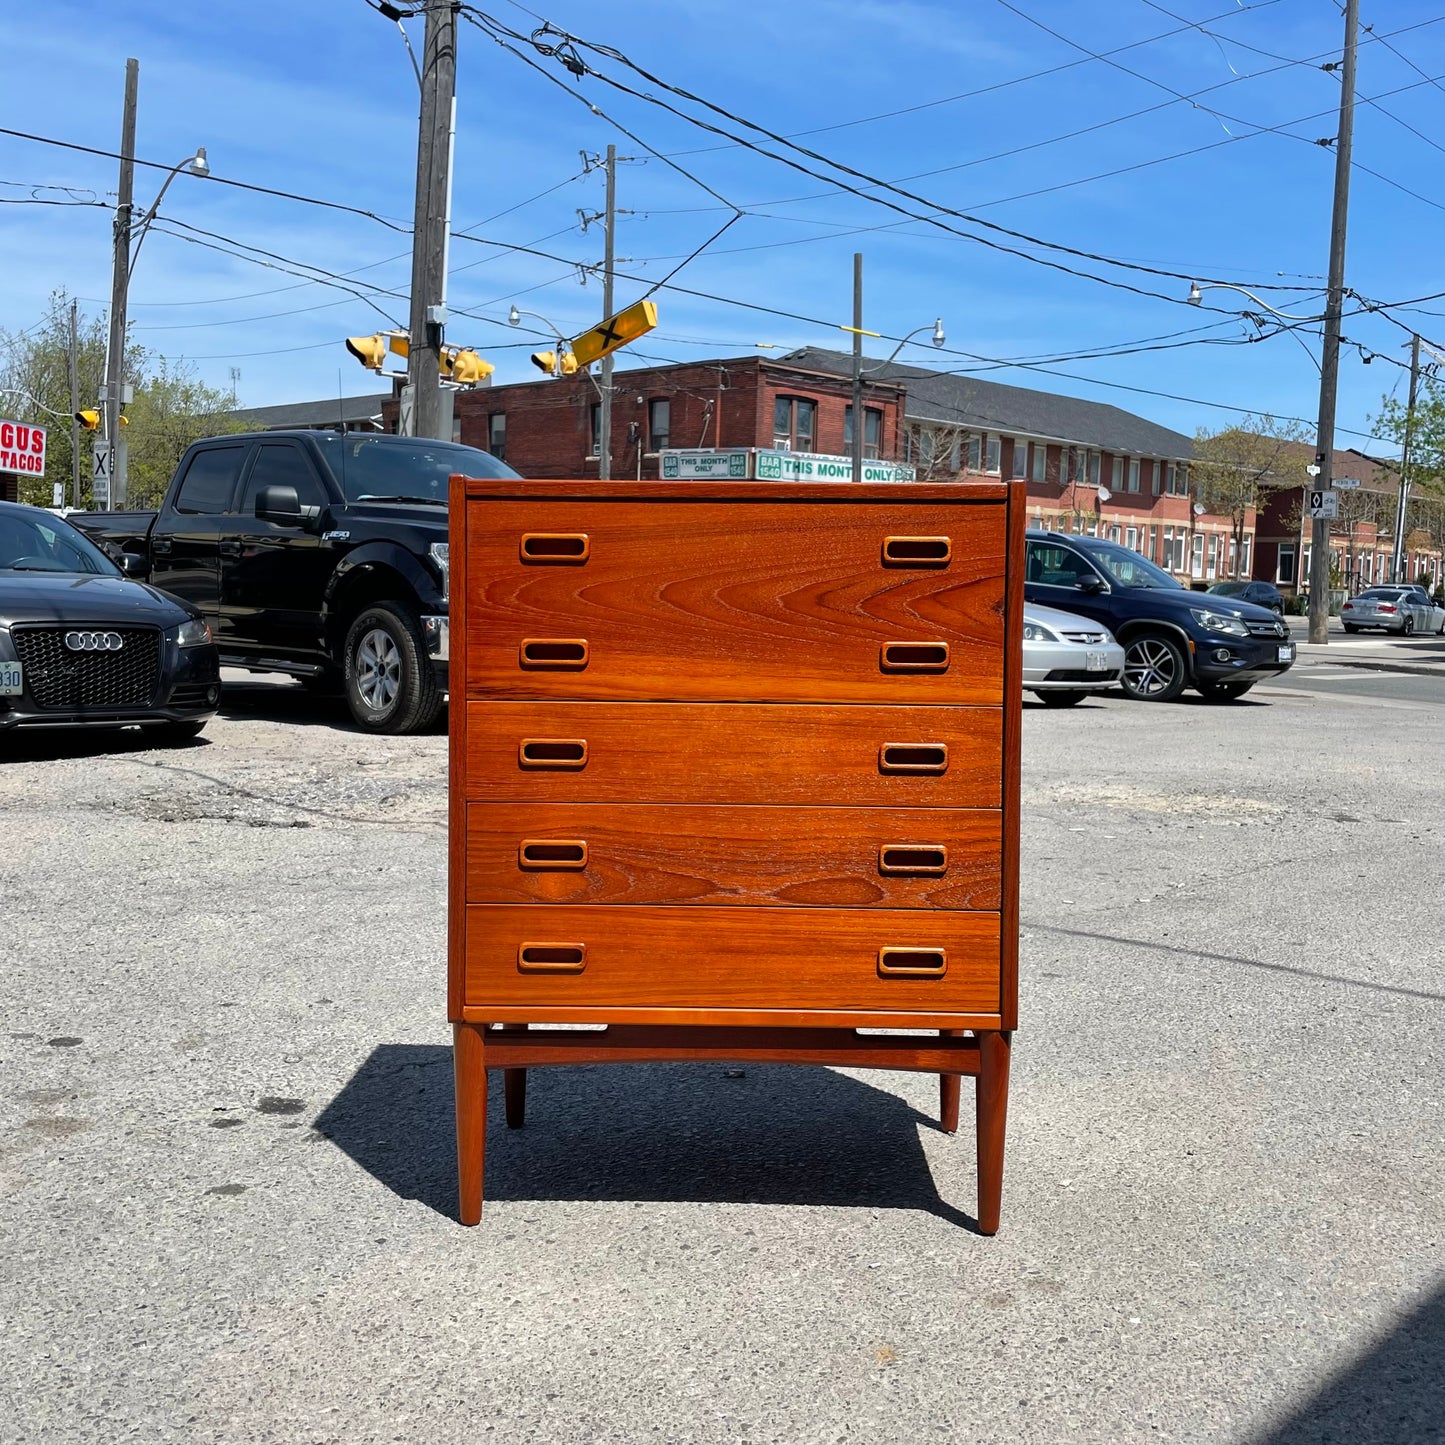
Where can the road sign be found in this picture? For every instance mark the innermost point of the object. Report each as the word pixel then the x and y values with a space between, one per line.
pixel 1324 504
pixel 1345 484
pixel 102 461
pixel 637 320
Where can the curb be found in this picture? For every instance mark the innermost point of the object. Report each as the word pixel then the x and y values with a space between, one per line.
pixel 1419 669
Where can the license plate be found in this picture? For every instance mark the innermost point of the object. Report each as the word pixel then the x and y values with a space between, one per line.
pixel 1096 662
pixel 1286 653
pixel 12 679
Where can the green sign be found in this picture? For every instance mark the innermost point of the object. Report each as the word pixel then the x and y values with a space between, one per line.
pixel 812 467
pixel 705 465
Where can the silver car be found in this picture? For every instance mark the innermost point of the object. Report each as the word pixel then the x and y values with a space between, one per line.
pixel 1403 609
pixel 1067 657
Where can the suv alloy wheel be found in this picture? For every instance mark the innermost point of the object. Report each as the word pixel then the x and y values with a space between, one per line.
pixel 1155 669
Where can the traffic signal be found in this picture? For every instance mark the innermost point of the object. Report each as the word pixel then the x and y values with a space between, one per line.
pixel 464 366
pixel 555 363
pixel 636 321
pixel 371 351
pixel 89 419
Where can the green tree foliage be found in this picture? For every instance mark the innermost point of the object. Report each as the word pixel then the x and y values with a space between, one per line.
pixel 1427 434
pixel 1232 466
pixel 171 408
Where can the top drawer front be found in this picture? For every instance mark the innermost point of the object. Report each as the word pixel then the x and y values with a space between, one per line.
pixel 707 601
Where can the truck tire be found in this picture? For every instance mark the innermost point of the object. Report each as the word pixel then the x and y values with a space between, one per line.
pixel 1155 669
pixel 388 679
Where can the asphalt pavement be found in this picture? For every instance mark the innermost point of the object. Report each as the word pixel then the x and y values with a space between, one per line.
pixel 226 1155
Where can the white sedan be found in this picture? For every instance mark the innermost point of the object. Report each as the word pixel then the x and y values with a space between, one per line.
pixel 1067 657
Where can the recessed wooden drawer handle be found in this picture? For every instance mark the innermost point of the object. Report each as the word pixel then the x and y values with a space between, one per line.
pixel 917 858
pixel 917 551
pixel 555 546
pixel 552 753
pixel 913 758
pixel 560 652
pixel 913 657
pixel 569 853
pixel 912 962
pixel 552 957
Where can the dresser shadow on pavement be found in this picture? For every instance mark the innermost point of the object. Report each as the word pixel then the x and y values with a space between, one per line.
pixel 700 1133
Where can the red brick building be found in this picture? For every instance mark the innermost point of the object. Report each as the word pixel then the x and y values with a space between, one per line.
pixel 550 428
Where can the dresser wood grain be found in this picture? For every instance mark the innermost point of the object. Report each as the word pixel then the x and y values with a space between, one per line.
pixel 734 772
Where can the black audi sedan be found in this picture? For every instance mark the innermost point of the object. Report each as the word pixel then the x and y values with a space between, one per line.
pixel 81 645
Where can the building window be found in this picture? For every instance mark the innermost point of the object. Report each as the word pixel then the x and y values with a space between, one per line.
pixel 872 431
pixel 594 447
pixel 497 435
pixel 1133 484
pixel 1114 534
pixel 1116 475
pixel 1153 553
pixel 1041 462
pixel 1284 570
pixel 975 453
pixel 794 424
pixel 1196 556
pixel 1020 466
pixel 1094 469
pixel 993 455
pixel 659 424
pixel 1131 538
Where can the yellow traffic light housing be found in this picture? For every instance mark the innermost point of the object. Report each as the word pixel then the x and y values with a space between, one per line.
pixel 464 366
pixel 555 363
pixel 370 351
pixel 89 419
pixel 628 325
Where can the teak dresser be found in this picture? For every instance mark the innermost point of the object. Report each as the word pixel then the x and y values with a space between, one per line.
pixel 735 772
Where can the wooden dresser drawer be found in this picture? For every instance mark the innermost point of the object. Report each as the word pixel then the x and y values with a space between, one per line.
pixel 736 856
pixel 583 959
pixel 780 601
pixel 593 752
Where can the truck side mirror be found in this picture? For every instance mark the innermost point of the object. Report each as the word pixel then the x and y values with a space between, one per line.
pixel 282 505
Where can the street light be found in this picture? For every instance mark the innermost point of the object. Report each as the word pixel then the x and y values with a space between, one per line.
pixel 196 165
pixel 859 371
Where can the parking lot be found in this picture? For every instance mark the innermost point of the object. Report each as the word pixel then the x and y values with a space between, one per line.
pixel 227 1152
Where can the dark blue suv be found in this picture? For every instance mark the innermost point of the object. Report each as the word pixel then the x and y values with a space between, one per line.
pixel 1172 638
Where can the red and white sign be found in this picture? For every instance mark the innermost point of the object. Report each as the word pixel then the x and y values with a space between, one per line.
pixel 22 448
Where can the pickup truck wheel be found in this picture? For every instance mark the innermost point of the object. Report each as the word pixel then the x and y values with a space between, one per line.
pixel 389 682
pixel 1154 668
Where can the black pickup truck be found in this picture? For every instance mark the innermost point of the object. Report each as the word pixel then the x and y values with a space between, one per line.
pixel 319 554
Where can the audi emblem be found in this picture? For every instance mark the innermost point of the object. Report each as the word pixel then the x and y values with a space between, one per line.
pixel 93 641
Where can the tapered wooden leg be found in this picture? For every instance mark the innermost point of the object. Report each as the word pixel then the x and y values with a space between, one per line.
pixel 948 1092
pixel 992 1108
pixel 470 1068
pixel 514 1086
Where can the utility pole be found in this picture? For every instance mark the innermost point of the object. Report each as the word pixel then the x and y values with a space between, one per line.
pixel 1397 562
pixel 1330 360
pixel 74 408
pixel 604 429
pixel 858 427
pixel 119 281
pixel 436 133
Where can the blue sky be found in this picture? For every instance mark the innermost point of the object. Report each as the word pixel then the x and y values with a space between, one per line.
pixel 318 98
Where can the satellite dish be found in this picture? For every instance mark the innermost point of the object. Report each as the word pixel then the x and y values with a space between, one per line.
pixel 1104 494
pixel 1199 509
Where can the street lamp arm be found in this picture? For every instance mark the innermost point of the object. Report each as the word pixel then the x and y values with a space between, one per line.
pixel 938 340
pixel 197 165
pixel 34 401
pixel 1196 295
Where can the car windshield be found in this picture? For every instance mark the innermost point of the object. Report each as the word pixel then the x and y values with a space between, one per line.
pixel 37 542
pixel 1229 589
pixel 385 469
pixel 1125 567
pixel 1385 594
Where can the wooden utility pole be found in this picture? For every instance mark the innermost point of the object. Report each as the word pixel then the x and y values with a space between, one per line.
pixel 1397 562
pixel 858 427
pixel 604 429
pixel 1330 359
pixel 74 408
pixel 432 225
pixel 119 282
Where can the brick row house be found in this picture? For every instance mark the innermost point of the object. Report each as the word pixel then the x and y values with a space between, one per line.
pixel 1091 468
